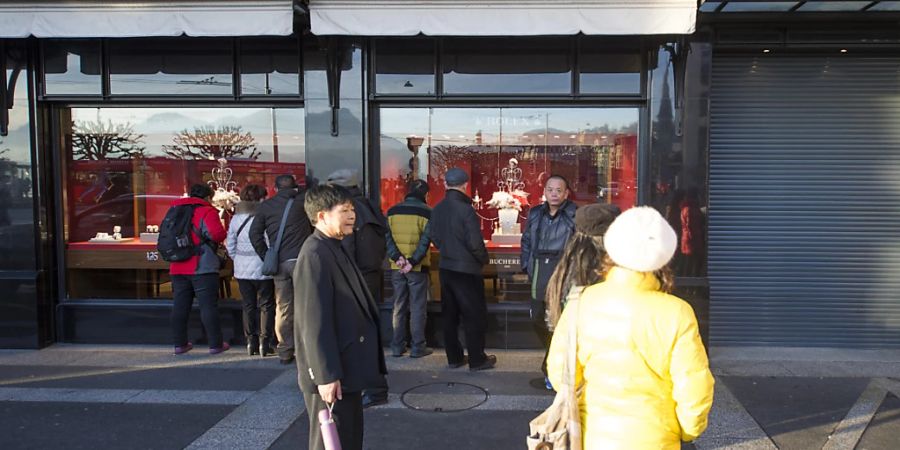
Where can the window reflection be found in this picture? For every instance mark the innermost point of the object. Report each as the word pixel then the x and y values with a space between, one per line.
pixel 606 72
pixel 507 66
pixel 168 66
pixel 71 67
pixel 404 66
pixel 594 148
pixel 17 251
pixel 270 66
pixel 125 166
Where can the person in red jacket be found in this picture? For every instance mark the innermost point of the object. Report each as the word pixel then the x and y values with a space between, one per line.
pixel 199 276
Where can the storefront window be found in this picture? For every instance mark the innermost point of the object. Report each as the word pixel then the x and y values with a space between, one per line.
pixel 169 67
pixel 507 66
pixel 511 150
pixel 125 166
pixel 71 67
pixel 270 66
pixel 404 66
pixel 608 72
pixel 17 246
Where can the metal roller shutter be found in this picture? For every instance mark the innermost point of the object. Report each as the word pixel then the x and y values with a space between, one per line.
pixel 804 217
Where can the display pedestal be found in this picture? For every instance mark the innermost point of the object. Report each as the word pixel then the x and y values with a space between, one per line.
pixel 506 239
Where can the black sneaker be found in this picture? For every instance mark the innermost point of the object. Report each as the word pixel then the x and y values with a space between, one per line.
pixel 398 353
pixel 488 363
pixel 368 401
pixel 286 360
pixel 459 364
pixel 420 353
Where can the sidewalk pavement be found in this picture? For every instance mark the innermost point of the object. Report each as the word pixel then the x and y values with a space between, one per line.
pixel 136 397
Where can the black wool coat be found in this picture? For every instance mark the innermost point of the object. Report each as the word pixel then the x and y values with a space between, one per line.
pixel 336 328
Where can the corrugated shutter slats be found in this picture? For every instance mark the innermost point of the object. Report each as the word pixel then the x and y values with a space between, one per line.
pixel 804 226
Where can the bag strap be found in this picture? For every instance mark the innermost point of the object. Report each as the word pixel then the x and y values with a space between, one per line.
pixel 284 217
pixel 241 228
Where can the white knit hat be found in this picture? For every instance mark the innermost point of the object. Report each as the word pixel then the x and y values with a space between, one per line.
pixel 640 239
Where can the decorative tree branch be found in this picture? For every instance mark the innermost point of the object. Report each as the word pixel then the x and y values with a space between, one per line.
pixel 106 140
pixel 209 142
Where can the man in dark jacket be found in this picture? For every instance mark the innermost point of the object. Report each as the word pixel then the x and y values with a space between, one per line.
pixel 297 229
pixel 456 232
pixel 338 340
pixel 199 275
pixel 547 231
pixel 366 246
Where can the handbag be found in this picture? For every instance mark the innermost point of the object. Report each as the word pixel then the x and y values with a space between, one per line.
pixel 559 426
pixel 270 263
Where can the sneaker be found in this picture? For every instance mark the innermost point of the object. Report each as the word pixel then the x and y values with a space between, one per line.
pixel 420 353
pixel 488 363
pixel 459 364
pixel 180 350
pixel 370 400
pixel 398 353
pixel 217 350
pixel 547 384
pixel 286 359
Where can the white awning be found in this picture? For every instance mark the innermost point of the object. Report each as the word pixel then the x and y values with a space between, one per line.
pixel 501 17
pixel 138 18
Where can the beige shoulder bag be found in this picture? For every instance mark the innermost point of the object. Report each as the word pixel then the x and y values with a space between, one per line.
pixel 559 426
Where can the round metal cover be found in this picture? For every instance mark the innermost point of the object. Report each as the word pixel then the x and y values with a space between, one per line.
pixel 444 397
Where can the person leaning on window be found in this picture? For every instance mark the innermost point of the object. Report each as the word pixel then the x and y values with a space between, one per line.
pixel 644 370
pixel 257 290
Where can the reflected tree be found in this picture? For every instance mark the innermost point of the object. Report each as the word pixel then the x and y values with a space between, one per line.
pixel 98 140
pixel 209 142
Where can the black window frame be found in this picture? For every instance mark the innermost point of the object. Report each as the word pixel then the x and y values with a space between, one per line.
pixel 236 96
pixel 575 94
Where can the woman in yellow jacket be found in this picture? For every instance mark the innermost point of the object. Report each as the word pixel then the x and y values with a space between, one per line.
pixel 647 383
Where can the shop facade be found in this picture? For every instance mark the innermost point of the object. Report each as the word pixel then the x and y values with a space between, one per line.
pixel 105 131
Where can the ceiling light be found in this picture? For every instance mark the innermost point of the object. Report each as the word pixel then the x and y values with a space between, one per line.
pixel 765 50
pixel 843 50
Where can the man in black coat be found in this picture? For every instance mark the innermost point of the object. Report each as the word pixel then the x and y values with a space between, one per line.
pixel 456 231
pixel 338 340
pixel 297 229
pixel 547 231
pixel 367 246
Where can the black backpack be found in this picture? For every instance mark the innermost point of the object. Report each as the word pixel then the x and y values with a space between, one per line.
pixel 175 242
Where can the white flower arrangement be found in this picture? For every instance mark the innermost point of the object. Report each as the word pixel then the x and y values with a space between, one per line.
pixel 225 200
pixel 506 200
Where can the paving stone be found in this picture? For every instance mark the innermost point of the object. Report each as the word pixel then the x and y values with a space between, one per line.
pixel 884 431
pixel 797 413
pixel 177 378
pixel 408 429
pixel 75 426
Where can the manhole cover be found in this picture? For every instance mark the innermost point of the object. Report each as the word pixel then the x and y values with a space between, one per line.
pixel 444 397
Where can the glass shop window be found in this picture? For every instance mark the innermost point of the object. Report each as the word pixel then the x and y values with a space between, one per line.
pixel 507 66
pixel 404 66
pixel 171 66
pixel 125 166
pixel 71 67
pixel 605 72
pixel 509 153
pixel 270 66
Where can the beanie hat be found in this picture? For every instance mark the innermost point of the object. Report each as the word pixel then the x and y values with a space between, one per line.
pixel 640 239
pixel 456 177
pixel 594 219
pixel 344 177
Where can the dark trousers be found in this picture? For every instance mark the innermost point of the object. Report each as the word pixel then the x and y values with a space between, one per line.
pixel 206 288
pixel 375 283
pixel 462 300
pixel 259 310
pixel 347 414
pixel 284 309
pixel 544 265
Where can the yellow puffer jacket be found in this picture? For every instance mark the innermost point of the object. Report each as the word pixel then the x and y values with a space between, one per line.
pixel 646 374
pixel 408 221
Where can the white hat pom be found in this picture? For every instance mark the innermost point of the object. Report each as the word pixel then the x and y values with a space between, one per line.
pixel 640 239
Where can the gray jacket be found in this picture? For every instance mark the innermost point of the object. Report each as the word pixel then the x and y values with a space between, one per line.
pixel 247 263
